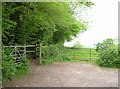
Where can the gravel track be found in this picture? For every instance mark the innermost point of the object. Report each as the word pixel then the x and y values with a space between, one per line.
pixel 67 74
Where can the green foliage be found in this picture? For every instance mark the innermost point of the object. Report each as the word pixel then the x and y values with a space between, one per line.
pixel 44 22
pixel 9 68
pixel 108 54
pixel 77 45
pixel 0 71
pixel 86 3
pixel 78 54
pixel 50 54
pixel 55 53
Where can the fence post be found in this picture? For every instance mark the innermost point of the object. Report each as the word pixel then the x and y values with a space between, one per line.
pixel 40 60
pixel 15 53
pixel 25 53
pixel 36 51
pixel 90 53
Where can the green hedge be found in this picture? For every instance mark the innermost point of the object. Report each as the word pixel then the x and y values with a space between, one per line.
pixel 108 54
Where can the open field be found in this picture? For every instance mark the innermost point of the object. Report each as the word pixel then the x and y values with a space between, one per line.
pixel 79 54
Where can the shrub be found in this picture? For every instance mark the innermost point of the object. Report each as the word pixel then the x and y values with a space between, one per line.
pixel 49 54
pixel 78 45
pixel 9 68
pixel 108 54
pixel 0 72
pixel 65 54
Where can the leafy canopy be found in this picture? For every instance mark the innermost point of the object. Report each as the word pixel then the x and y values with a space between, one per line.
pixel 45 22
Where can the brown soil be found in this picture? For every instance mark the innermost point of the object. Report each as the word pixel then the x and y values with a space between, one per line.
pixel 67 74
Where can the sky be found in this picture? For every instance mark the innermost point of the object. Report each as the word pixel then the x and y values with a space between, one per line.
pixel 103 23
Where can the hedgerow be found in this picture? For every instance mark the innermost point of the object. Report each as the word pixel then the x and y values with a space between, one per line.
pixel 108 54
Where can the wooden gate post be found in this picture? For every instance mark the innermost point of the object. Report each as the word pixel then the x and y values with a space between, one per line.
pixel 40 58
pixel 15 53
pixel 90 53
pixel 25 53
pixel 36 51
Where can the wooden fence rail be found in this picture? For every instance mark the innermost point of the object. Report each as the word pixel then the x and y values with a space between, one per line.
pixel 19 50
pixel 38 48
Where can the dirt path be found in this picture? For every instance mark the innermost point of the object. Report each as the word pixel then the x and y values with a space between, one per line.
pixel 67 74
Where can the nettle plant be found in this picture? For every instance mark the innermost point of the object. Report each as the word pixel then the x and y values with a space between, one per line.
pixel 108 53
